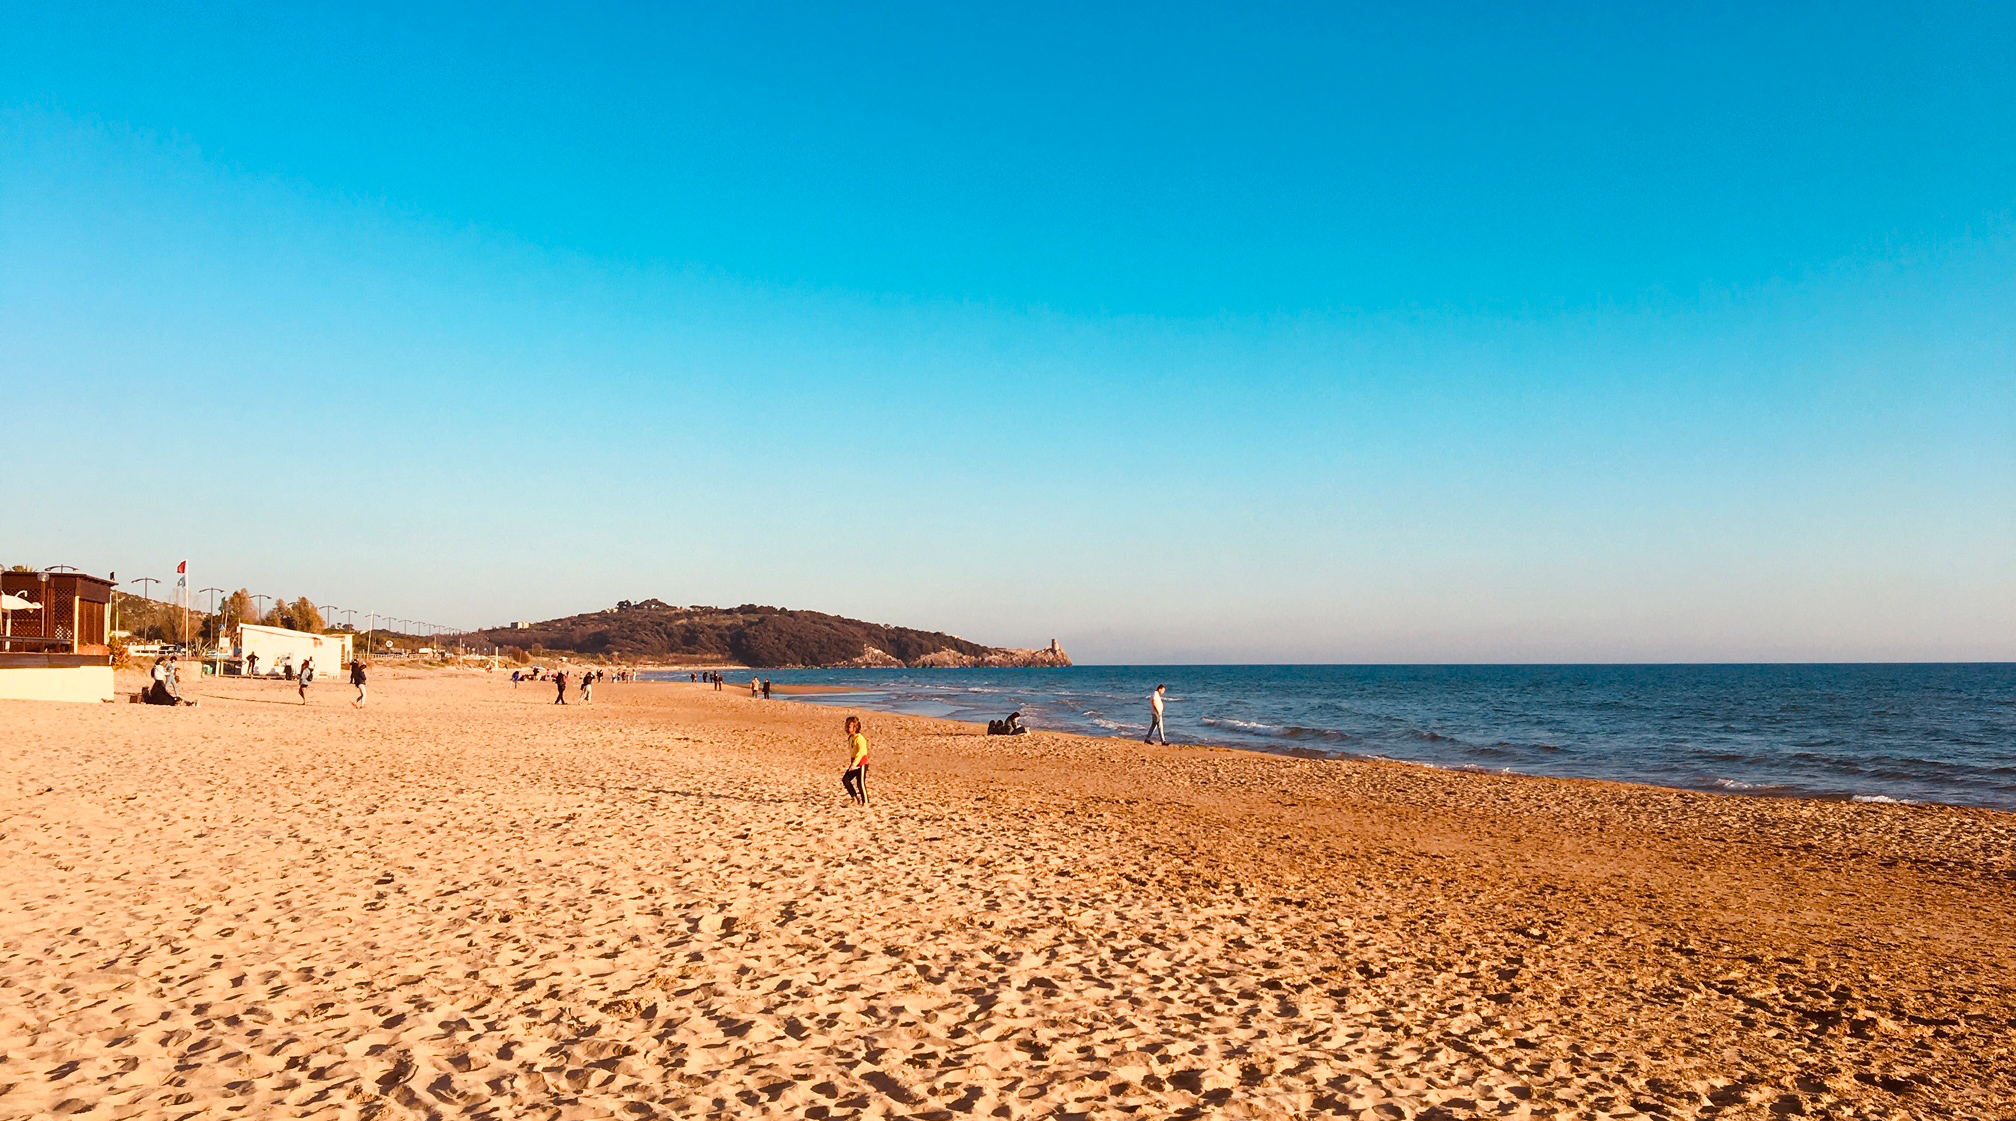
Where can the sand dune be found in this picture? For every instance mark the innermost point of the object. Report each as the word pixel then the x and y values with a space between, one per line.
pixel 465 901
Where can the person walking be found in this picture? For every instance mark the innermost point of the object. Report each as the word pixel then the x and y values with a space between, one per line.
pixel 588 686
pixel 855 779
pixel 357 679
pixel 560 684
pixel 1155 717
pixel 306 675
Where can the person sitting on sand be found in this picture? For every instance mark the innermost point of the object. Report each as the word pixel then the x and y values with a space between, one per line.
pixel 1012 726
pixel 855 779
pixel 158 692
pixel 357 679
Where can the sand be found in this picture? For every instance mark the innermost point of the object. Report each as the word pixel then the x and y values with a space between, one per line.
pixel 466 901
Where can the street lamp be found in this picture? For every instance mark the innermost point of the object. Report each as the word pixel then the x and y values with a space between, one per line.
pixel 213 593
pixel 149 580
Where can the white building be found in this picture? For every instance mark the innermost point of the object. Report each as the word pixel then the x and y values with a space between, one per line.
pixel 278 647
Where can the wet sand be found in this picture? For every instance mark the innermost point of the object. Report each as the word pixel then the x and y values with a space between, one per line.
pixel 467 901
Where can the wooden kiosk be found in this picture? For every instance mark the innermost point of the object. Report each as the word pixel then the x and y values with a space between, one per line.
pixel 53 641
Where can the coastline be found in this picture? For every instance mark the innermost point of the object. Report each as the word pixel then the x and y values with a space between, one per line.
pixel 1916 734
pixel 1035 924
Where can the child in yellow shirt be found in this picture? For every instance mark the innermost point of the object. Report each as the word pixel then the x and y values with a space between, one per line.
pixel 855 779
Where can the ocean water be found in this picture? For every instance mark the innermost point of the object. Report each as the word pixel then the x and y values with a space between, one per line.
pixel 1907 733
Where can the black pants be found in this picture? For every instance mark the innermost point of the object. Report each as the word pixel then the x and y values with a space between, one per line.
pixel 562 698
pixel 855 781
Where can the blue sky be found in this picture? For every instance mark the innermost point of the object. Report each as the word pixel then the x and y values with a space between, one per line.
pixel 1459 333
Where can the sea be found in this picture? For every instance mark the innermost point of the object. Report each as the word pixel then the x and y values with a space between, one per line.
pixel 1943 733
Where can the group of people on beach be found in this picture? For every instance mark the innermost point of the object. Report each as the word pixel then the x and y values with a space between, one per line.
pixel 358 676
pixel 854 780
pixel 585 682
pixel 165 680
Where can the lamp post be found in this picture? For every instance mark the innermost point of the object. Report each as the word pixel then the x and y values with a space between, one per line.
pixel 262 604
pixel 213 593
pixel 148 580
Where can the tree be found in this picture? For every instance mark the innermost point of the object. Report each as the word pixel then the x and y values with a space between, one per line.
pixel 306 616
pixel 237 608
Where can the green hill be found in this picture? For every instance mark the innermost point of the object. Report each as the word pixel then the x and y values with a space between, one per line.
pixel 751 635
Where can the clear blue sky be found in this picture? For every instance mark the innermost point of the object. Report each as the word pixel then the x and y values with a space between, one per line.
pixel 1179 333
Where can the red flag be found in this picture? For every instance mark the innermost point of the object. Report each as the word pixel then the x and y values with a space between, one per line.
pixel 183 567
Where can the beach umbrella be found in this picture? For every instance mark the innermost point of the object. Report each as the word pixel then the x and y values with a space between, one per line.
pixel 9 602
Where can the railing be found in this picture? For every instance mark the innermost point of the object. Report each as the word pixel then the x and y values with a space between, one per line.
pixel 34 642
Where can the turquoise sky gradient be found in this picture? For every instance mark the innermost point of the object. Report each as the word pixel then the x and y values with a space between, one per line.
pixel 1179 334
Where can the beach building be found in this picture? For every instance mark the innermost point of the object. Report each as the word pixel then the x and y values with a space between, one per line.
pixel 53 640
pixel 277 647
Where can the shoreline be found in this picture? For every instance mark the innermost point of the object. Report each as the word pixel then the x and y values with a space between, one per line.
pixel 1770 792
pixel 660 901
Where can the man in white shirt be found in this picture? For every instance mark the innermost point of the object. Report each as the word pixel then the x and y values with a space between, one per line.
pixel 1155 724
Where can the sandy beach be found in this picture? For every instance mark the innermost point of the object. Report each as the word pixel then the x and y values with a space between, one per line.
pixel 467 901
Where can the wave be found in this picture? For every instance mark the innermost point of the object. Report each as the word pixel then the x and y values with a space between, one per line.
pixel 1243 725
pixel 1883 799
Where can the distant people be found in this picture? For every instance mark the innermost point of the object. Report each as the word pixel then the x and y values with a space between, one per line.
pixel 158 674
pixel 766 688
pixel 306 675
pixel 588 685
pixel 719 681
pixel 251 665
pixel 174 678
pixel 1155 717
pixel 357 679
pixel 560 681
pixel 754 687
pixel 1012 726
pixel 854 780
pixel 516 677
